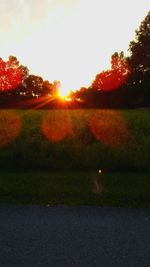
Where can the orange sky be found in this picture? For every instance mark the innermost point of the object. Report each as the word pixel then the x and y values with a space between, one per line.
pixel 68 40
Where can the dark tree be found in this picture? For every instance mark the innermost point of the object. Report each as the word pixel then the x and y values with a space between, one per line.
pixel 140 47
pixel 47 88
pixel 33 86
pixel 137 91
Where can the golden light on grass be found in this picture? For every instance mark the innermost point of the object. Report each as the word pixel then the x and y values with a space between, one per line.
pixel 109 127
pixel 56 125
pixel 10 125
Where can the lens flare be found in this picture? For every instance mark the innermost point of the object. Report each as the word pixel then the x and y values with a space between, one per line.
pixel 109 127
pixel 10 125
pixel 56 125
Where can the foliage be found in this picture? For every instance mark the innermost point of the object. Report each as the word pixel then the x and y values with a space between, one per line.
pixel 47 88
pixel 115 77
pixel 125 84
pixel 131 76
pixel 105 90
pixel 33 85
pixel 16 84
pixel 140 47
pixel 12 74
pixel 137 91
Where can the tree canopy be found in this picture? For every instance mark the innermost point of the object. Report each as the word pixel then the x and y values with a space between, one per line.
pixel 137 88
pixel 126 83
pixel 12 74
pixel 140 47
pixel 113 78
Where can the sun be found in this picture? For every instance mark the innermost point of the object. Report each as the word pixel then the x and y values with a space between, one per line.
pixel 64 96
pixel 63 91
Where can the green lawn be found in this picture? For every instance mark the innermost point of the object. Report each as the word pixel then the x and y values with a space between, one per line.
pixel 75 140
pixel 53 157
pixel 80 188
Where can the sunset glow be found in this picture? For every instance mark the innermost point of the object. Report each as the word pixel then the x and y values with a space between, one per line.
pixel 10 126
pixel 109 128
pixel 68 40
pixel 56 126
pixel 64 92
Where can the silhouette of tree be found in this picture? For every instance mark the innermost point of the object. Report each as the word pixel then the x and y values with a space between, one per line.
pixel 140 47
pixel 137 89
pixel 33 86
pixel 47 88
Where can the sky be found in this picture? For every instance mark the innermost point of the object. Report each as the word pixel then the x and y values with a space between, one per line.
pixel 68 40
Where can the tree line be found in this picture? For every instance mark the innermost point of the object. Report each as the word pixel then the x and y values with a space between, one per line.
pixel 125 84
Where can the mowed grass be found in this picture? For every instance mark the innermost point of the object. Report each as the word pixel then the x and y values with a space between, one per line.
pixel 82 188
pixel 75 140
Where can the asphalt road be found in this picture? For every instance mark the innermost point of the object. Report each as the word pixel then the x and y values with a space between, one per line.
pixel 49 236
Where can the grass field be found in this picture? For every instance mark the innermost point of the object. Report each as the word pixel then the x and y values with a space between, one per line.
pixel 75 140
pixel 86 157
pixel 116 189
